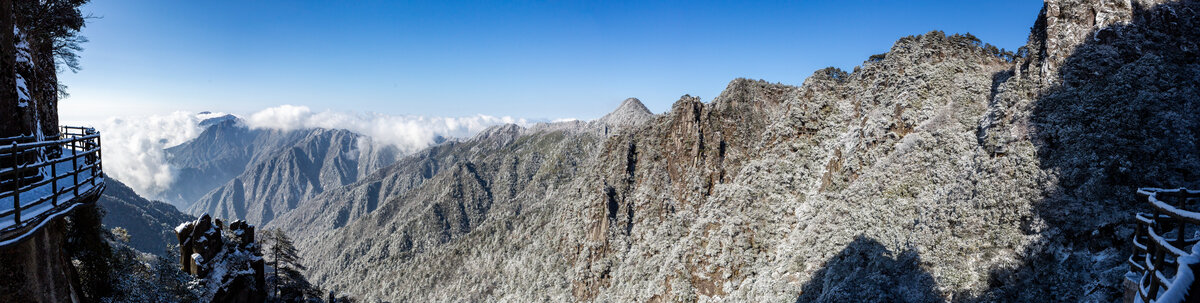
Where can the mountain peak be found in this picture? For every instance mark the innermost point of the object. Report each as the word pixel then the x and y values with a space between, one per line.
pixel 217 120
pixel 633 103
pixel 631 112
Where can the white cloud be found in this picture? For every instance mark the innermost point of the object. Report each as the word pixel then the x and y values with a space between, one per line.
pixel 408 133
pixel 133 146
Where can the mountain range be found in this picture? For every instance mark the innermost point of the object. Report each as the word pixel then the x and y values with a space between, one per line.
pixel 942 170
pixel 233 171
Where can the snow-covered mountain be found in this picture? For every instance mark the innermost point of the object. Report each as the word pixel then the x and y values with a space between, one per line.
pixel 236 172
pixel 941 170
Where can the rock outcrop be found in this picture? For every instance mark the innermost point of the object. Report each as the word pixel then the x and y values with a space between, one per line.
pixel 229 262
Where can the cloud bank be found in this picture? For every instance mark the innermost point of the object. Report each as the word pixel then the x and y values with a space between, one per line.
pixel 134 146
pixel 408 133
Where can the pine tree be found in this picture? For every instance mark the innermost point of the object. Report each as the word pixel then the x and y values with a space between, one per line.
pixel 287 281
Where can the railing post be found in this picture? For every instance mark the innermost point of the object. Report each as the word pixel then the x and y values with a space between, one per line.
pixel 99 158
pixel 1139 254
pixel 1150 277
pixel 1159 256
pixel 16 159
pixel 54 181
pixel 74 168
pixel 95 161
pixel 1180 238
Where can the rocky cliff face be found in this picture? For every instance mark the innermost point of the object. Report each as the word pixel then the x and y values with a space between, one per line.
pixel 38 268
pixel 942 170
pixel 30 92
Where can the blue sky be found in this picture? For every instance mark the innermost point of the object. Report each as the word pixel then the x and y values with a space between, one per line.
pixel 536 60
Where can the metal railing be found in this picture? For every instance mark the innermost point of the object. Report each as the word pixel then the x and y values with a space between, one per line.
pixel 36 179
pixel 1161 238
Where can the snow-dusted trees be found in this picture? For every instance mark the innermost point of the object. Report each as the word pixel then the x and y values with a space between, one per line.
pixel 171 282
pixel 52 28
pixel 286 282
pixel 109 270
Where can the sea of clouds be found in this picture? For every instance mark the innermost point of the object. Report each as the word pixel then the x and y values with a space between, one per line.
pixel 134 146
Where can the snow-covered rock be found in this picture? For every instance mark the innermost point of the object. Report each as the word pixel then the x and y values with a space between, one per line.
pixel 228 262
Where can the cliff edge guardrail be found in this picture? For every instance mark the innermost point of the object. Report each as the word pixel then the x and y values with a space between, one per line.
pixel 43 179
pixel 1165 253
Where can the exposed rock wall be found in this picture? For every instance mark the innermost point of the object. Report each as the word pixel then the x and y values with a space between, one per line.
pixel 38 268
pixel 30 95
pixel 9 112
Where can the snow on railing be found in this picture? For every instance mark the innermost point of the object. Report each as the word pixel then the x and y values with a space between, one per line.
pixel 1164 245
pixel 43 179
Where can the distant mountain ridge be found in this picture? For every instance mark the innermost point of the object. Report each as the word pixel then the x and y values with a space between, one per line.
pixel 230 162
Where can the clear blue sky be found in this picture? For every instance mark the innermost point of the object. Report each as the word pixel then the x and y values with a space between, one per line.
pixel 562 59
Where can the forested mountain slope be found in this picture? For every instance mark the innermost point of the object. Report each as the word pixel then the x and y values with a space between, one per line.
pixel 150 224
pixel 941 170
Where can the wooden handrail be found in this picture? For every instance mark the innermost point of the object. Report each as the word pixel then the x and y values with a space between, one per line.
pixel 1162 238
pixel 31 165
pixel 26 146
